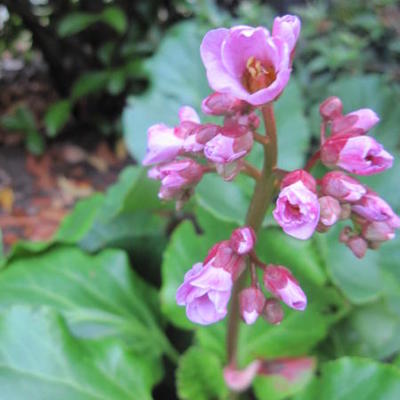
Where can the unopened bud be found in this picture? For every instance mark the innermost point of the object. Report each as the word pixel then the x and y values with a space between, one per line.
pixel 331 108
pixel 243 240
pixel 329 210
pixel 358 246
pixel 251 301
pixel 273 311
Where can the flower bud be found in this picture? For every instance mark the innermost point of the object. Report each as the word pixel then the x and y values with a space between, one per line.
pixel 229 171
pixel 373 208
pixel 378 231
pixel 300 175
pixel 281 283
pixel 199 135
pixel 357 122
pixel 358 246
pixel 331 108
pixel 342 187
pixel 330 210
pixel 360 155
pixel 273 311
pixel 187 113
pixel 297 210
pixel 287 28
pixel 239 380
pixel 290 369
pixel 243 240
pixel 232 143
pixel 345 234
pixel 251 302
pixel 251 120
pixel 222 104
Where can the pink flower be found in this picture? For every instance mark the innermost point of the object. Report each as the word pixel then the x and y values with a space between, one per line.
pixel 331 108
pixel 223 104
pixel 231 143
pixel 341 186
pixel 251 120
pixel 378 231
pixel 177 178
pixel 198 136
pixel 360 155
pixel 297 210
pixel 251 301
pixel 281 283
pixel 246 63
pixel 164 144
pixel 291 369
pixel 205 292
pixel 243 240
pixel 357 122
pixel 373 208
pixel 273 311
pixel 239 380
pixel 287 28
pixel 330 210
pixel 300 175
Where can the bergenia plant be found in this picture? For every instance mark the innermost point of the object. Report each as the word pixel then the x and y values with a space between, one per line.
pixel 248 69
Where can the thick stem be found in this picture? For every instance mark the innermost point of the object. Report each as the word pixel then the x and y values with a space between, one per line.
pixel 260 202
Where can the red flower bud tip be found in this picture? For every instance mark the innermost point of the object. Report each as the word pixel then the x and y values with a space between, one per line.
pixel 331 108
pixel 358 246
pixel 222 104
pixel 239 380
pixel 341 186
pixel 273 311
pixel 330 210
pixel 300 175
pixel 281 283
pixel 243 240
pixel 251 301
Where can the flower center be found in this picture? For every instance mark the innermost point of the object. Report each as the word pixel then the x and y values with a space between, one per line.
pixel 257 76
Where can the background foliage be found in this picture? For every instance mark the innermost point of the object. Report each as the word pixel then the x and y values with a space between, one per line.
pixel 92 313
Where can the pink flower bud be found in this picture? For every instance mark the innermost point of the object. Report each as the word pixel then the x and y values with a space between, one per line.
pixel 358 246
pixel 273 311
pixel 378 231
pixel 229 171
pixel 329 210
pixel 357 122
pixel 230 144
pixel 223 256
pixel 239 380
pixel 281 283
pixel 205 292
pixel 287 28
pixel 251 120
pixel 345 212
pixel 187 113
pixel 300 175
pixel 341 186
pixel 360 155
pixel 247 63
pixel 251 301
pixel 331 108
pixel 345 234
pixel 297 210
pixel 199 135
pixel 163 145
pixel 373 208
pixel 177 178
pixel 243 240
pixel 291 369
pixel 222 104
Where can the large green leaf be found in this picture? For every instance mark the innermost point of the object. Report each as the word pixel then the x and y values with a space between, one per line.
pixel 41 360
pixel 199 376
pixel 177 78
pixel 353 378
pixel 99 295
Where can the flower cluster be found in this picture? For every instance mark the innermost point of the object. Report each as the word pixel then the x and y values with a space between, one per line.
pixel 207 286
pixel 305 204
pixel 247 67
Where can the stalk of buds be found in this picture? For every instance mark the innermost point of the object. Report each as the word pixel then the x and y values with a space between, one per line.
pixel 248 69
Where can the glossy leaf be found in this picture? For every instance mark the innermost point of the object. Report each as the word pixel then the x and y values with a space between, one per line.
pixel 57 116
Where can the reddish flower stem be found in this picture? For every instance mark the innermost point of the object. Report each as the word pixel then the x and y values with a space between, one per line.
pixel 313 160
pixel 259 204
pixel 252 171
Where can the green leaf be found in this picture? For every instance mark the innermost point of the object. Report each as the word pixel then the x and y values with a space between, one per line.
pixel 76 22
pixel 34 142
pixel 114 17
pixel 57 116
pixel 89 83
pixel 99 295
pixel 199 376
pixel 22 121
pixel 177 78
pixel 352 378
pixel 40 359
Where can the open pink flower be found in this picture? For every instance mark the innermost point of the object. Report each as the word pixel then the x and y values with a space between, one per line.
pixel 246 63
pixel 205 292
pixel 281 283
pixel 341 186
pixel 287 28
pixel 360 155
pixel 297 210
pixel 165 143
